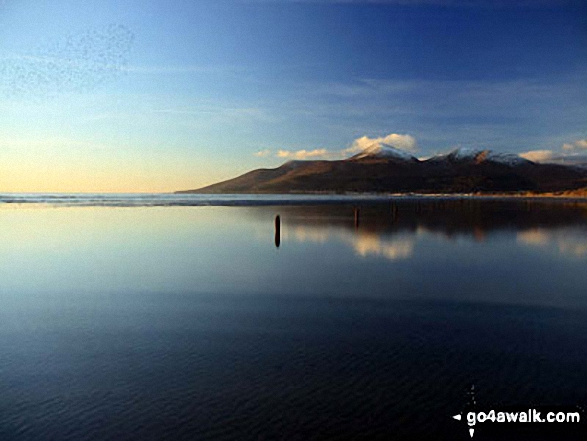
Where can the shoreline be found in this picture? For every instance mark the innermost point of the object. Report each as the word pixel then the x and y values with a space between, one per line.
pixel 266 199
pixel 570 195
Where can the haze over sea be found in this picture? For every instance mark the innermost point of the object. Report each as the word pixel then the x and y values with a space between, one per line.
pixel 137 317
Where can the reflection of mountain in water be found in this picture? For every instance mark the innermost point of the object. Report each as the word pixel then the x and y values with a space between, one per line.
pixel 392 230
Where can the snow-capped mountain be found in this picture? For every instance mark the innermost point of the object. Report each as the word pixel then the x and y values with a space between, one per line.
pixel 481 155
pixel 383 168
pixel 384 151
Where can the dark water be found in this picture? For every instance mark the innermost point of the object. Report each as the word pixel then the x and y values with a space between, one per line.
pixel 189 323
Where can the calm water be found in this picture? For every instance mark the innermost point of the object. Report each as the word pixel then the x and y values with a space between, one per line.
pixel 188 322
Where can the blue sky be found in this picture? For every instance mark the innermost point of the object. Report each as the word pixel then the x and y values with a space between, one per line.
pixel 158 96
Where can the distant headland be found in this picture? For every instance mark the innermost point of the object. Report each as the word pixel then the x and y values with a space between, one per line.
pixel 386 169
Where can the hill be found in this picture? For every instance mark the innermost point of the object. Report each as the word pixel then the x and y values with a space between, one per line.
pixel 390 170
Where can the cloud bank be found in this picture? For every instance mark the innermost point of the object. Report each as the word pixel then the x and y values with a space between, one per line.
pixel 569 151
pixel 573 151
pixel 580 144
pixel 402 142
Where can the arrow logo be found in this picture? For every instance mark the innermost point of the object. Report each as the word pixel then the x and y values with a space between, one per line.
pixel 459 417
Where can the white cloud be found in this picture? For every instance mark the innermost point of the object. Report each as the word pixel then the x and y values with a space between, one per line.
pixel 302 154
pixel 538 155
pixel 569 154
pixel 263 153
pixel 578 144
pixel 569 151
pixel 402 142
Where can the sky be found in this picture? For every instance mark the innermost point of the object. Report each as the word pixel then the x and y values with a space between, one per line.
pixel 154 96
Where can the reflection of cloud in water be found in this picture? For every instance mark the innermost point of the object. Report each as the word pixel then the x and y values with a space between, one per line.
pixel 401 246
pixel 304 234
pixel 396 249
pixel 364 243
pixel 562 241
pixel 573 248
pixel 534 237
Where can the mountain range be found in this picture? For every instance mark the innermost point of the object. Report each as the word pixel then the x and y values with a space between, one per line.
pixel 383 168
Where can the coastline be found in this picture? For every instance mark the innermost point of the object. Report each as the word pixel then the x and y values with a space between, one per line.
pixel 570 195
pixel 270 199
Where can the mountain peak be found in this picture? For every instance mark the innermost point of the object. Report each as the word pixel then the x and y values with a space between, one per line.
pixel 465 154
pixel 384 151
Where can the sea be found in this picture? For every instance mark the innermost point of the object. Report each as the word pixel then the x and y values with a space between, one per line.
pixel 296 317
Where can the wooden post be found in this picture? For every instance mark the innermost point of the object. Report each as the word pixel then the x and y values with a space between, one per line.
pixel 356 218
pixel 277 231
